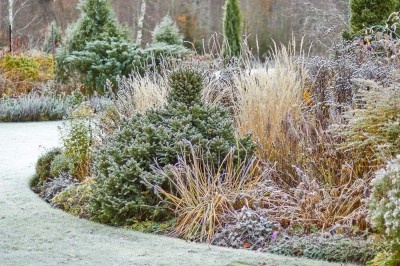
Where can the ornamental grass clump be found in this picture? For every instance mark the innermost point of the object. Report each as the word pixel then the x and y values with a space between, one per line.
pixel 269 103
pixel 203 192
pixel 371 132
pixel 135 94
pixel 140 93
pixel 156 138
pixel 316 185
pixel 384 206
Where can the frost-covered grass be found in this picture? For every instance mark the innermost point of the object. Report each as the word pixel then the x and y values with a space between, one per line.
pixel 269 104
pixel 139 93
pixel 204 193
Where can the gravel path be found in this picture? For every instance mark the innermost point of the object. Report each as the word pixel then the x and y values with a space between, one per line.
pixel 33 233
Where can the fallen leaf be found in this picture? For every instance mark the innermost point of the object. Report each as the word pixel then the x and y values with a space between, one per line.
pixel 247 245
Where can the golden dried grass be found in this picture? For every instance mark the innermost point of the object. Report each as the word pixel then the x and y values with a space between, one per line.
pixel 205 194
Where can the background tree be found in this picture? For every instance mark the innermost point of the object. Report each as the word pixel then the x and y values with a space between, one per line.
pixel 365 13
pixel 14 8
pixel 11 21
pixel 232 28
pixel 97 48
pixel 167 32
pixel 139 33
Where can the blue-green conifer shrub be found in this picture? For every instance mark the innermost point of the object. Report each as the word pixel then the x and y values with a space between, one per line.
pixel 125 166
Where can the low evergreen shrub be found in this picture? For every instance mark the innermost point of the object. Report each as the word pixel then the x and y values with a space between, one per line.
pixel 156 139
pixel 336 248
pixel 99 61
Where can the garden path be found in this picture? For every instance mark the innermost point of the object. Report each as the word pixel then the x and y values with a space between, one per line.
pixel 33 233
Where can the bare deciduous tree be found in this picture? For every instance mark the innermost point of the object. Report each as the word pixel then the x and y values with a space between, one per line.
pixel 140 23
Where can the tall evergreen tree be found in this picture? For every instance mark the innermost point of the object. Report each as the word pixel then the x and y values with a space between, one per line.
pixel 97 48
pixel 365 13
pixel 96 23
pixel 232 28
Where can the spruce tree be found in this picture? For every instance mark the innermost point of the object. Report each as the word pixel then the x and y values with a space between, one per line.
pixel 155 139
pixel 366 13
pixel 97 48
pixel 232 28
pixel 167 32
pixel 96 23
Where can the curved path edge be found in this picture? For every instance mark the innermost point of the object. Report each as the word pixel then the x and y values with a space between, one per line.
pixel 33 233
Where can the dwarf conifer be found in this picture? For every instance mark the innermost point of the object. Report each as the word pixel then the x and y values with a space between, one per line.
pixel 126 165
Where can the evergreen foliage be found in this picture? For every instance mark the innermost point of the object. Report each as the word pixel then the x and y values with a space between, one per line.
pixel 337 248
pixel 232 28
pixel 97 48
pixel 59 165
pixel 157 54
pixel 97 22
pixel 167 32
pixel 52 37
pixel 366 13
pixel 101 61
pixel 167 43
pixel 155 139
